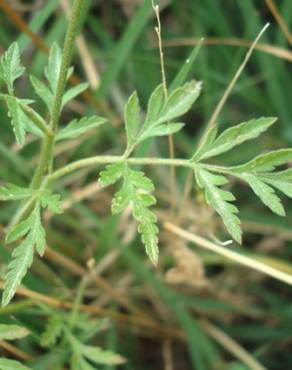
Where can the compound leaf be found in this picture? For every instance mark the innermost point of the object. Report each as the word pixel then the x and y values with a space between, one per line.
pixel 17 268
pixel 160 112
pixel 135 190
pixel 22 256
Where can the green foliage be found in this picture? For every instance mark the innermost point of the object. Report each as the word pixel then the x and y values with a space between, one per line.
pixel 6 364
pixel 79 127
pixel 43 91
pixel 135 190
pixel 53 331
pixel 14 112
pixel 265 162
pixel 161 112
pixel 232 137
pixel 60 332
pixel 83 355
pixel 50 201
pixel 22 255
pixel 71 93
pixel 32 232
pixel 161 117
pixel 265 193
pixel 220 200
pixel 14 192
pixel 257 173
pixel 63 340
pixel 52 71
pixel 10 67
pixel 11 332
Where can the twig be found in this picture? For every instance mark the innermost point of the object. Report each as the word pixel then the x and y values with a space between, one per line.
pixel 231 346
pixel 15 351
pixel 280 20
pixel 78 270
pixel 230 254
pixel 164 84
pixel 231 41
pixel 227 92
pixel 155 328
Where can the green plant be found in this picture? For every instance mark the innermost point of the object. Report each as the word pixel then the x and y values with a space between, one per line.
pixel 12 332
pixel 162 118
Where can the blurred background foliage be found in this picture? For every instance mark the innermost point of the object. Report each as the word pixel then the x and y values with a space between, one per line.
pixel 196 310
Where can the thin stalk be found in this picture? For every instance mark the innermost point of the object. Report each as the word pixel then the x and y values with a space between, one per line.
pixel 46 155
pixel 13 308
pixel 213 120
pixel 86 162
pixel 230 254
pixel 66 60
pixel 37 120
pixel 231 345
pixel 280 20
pixel 44 161
pixel 73 318
pixel 165 90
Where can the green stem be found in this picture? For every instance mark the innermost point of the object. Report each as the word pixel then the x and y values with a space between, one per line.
pixel 66 60
pixel 115 159
pixel 37 120
pixel 13 308
pixel 48 143
pixel 44 161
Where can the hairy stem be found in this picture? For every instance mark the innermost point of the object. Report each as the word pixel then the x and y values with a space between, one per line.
pixel 48 143
pixel 86 162
pixel 66 60
pixel 44 161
